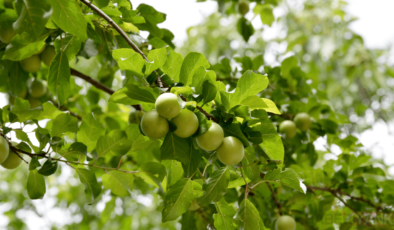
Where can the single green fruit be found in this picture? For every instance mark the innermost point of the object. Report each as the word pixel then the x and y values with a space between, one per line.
pixel 153 125
pixel 243 8
pixel 167 105
pixel 303 121
pixel 12 161
pixel 31 64
pixel 41 50
pixel 6 33
pixel 194 206
pixel 135 117
pixel 38 88
pixel 285 223
pixel 4 149
pixel 288 128
pixel 186 123
pixel 34 102
pixel 48 55
pixel 212 138
pixel 231 151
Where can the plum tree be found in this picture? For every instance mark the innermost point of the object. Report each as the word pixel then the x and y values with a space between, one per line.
pixel 38 88
pixel 285 223
pixel 303 121
pixel 34 102
pixel 167 105
pixel 288 128
pixel 12 161
pixel 31 64
pixel 194 206
pixel 212 138
pixel 135 117
pixel 6 33
pixel 153 125
pixel 4 149
pixel 231 151
pixel 243 8
pixel 186 123
pixel 48 55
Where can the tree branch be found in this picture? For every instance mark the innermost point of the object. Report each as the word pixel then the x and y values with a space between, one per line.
pixel 209 116
pixel 274 197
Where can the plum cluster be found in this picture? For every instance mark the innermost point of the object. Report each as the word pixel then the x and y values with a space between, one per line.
pixel 8 158
pixel 154 124
pixel 302 121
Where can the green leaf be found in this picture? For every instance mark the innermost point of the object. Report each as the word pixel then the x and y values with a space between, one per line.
pixel 234 129
pixel 102 3
pixel 287 177
pixel 152 173
pixel 156 58
pixel 177 200
pixel 34 163
pixel 21 48
pixel 92 187
pixel 22 110
pixel 208 92
pixel 288 64
pixel 49 111
pixel 115 142
pixel 137 140
pixel 200 77
pixel 174 171
pixel 215 187
pixel 17 80
pixel 90 131
pixel 35 185
pixel 70 44
pixel 33 16
pixel 182 90
pixel 252 171
pixel 59 77
pixel 64 123
pixel 190 64
pixel 128 59
pixel 195 157
pixel 175 148
pixel 245 28
pixel 203 123
pixel 188 221
pixel 141 94
pixel 75 150
pixel 173 65
pixel 48 168
pixel 249 84
pixel 249 217
pixel 69 17
pixel 120 183
pixel 266 15
pixel 255 102
pixel 224 216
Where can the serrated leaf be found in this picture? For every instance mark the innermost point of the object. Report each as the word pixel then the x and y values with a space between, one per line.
pixel 128 59
pixel 21 48
pixel 175 148
pixel 152 173
pixel 35 185
pixel 173 65
pixel 59 77
pixel 115 142
pixel 190 64
pixel 48 168
pixel 69 17
pixel 224 216
pixel 174 171
pixel 119 182
pixel 249 217
pixel 90 131
pixel 287 177
pixel 177 200
pixel 64 123
pixel 215 187
pixel 156 58
pixel 92 187
pixel 195 157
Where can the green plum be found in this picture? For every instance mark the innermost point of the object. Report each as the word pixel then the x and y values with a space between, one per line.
pixel 12 161
pixel 34 102
pixel 167 105
pixel 231 151
pixel 303 121
pixel 288 129
pixel 135 117
pixel 212 138
pixel 38 88
pixel 153 125
pixel 243 8
pixel 6 32
pixel 285 223
pixel 4 149
pixel 31 64
pixel 48 55
pixel 186 123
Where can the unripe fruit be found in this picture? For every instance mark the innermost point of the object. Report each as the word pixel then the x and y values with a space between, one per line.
pixel 186 123
pixel 303 121
pixel 167 105
pixel 153 125
pixel 4 149
pixel 194 206
pixel 135 117
pixel 231 151
pixel 38 88
pixel 243 8
pixel 212 138
pixel 285 223
pixel 31 64
pixel 34 102
pixel 12 161
pixel 6 33
pixel 48 55
pixel 288 128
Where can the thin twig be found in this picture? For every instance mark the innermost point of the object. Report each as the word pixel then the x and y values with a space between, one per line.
pixel 274 197
pixel 246 184
pixel 201 175
pixel 209 116
pixel 63 108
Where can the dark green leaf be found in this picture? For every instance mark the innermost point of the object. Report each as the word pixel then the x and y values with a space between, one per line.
pixel 190 64
pixel 224 216
pixel 245 28
pixel 35 185
pixel 215 187
pixel 64 123
pixel 90 131
pixel 59 77
pixel 175 148
pixel 249 217
pixel 120 183
pixel 177 200
pixel 92 187
pixel 48 168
